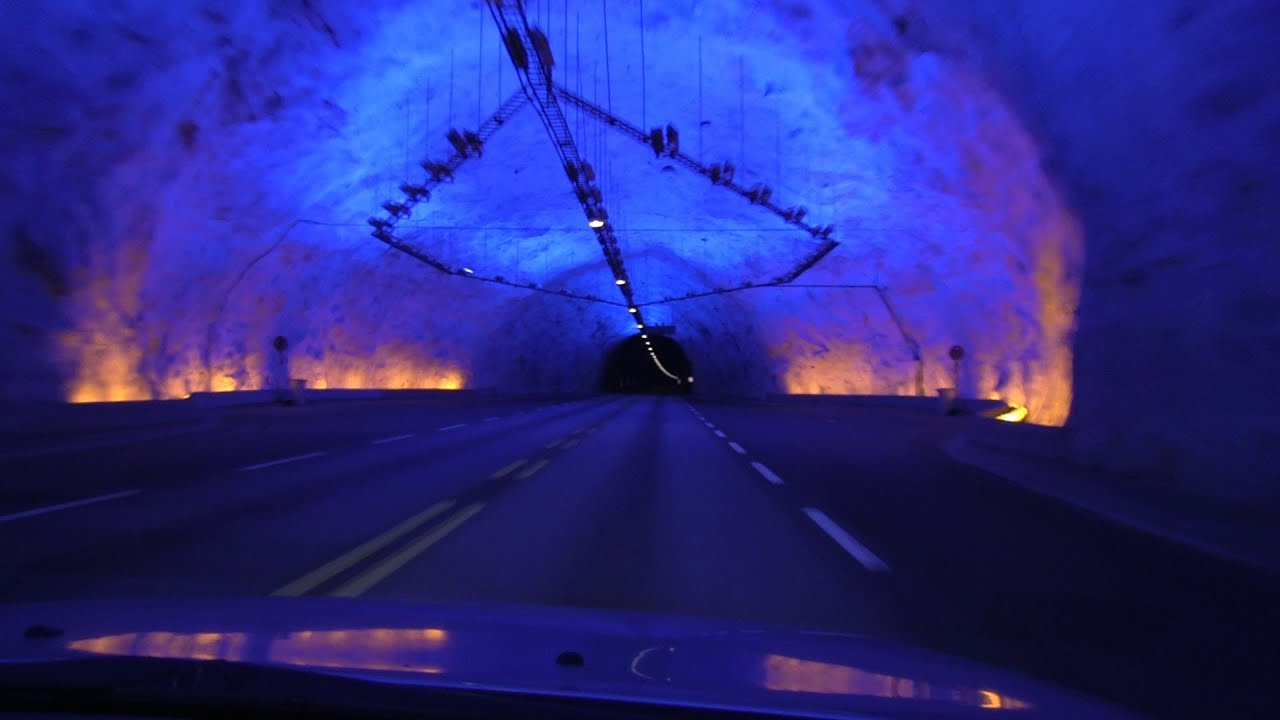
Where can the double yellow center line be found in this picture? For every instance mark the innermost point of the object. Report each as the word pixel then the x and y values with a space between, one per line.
pixel 362 582
pixel 363 551
pixel 366 580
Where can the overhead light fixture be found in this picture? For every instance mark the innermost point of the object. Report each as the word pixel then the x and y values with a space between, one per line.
pixel 644 337
pixel 619 281
pixel 468 271
pixel 595 223
pixel 639 326
pixel 632 310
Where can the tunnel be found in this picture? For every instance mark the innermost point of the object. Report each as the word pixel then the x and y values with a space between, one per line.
pixel 650 364
pixel 786 332
pixel 1002 179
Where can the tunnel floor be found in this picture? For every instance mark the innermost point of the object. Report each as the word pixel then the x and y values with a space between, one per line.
pixel 645 505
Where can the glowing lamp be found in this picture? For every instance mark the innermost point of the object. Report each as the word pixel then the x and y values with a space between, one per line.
pixel 644 337
pixel 632 310
pixel 595 223
pixel 619 281
pixel 690 378
pixel 639 326
pixel 468 271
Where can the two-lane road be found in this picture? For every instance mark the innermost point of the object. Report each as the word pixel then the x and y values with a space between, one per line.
pixel 614 503
pixel 846 519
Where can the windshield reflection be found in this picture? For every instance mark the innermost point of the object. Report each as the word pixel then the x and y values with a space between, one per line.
pixel 391 649
pixel 418 650
pixel 789 674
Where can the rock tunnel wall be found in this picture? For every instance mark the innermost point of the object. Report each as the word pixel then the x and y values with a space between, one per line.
pixel 983 160
pixel 152 204
pixel 1161 122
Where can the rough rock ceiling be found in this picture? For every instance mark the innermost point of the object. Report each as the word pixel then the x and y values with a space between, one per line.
pixel 217 164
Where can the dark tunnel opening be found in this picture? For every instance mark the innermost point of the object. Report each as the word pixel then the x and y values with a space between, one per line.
pixel 630 367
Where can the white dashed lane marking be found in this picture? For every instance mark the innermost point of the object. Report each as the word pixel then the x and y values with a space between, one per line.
pixel 281 461
pixel 393 438
pixel 846 541
pixel 737 448
pixel 720 434
pixel 451 427
pixel 67 505
pixel 767 473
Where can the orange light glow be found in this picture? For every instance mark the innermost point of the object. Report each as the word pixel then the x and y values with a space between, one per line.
pixel 992 700
pixel 224 383
pixel 108 372
pixel 197 646
pixel 840 368
pixel 788 674
pixel 1015 414
pixel 393 649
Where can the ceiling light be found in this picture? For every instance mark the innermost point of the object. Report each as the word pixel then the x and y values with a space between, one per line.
pixel 646 337
pixel 619 281
pixel 468 271
pixel 632 310
pixel 639 326
pixel 596 223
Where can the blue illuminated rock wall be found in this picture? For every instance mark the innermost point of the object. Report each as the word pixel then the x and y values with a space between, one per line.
pixel 1161 120
pixel 188 181
pixel 980 159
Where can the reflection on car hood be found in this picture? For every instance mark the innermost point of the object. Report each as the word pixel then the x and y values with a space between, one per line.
pixel 563 652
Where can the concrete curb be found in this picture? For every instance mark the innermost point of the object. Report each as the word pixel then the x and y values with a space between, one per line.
pixel 967 406
pixel 1198 528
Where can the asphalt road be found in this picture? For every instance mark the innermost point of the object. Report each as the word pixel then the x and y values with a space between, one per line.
pixel 831 518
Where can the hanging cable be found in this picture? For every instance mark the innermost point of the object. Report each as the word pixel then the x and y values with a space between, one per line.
pixel 742 114
pixel 644 83
pixel 608 78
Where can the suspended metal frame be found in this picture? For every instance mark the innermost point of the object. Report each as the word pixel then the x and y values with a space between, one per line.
pixel 530 54
pixel 723 176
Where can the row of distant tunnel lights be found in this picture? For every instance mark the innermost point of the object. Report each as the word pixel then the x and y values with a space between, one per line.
pixel 648 344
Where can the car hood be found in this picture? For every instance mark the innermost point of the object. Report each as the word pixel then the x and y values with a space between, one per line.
pixel 549 651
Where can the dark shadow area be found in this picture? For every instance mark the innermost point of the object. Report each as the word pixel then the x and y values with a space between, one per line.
pixel 629 367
